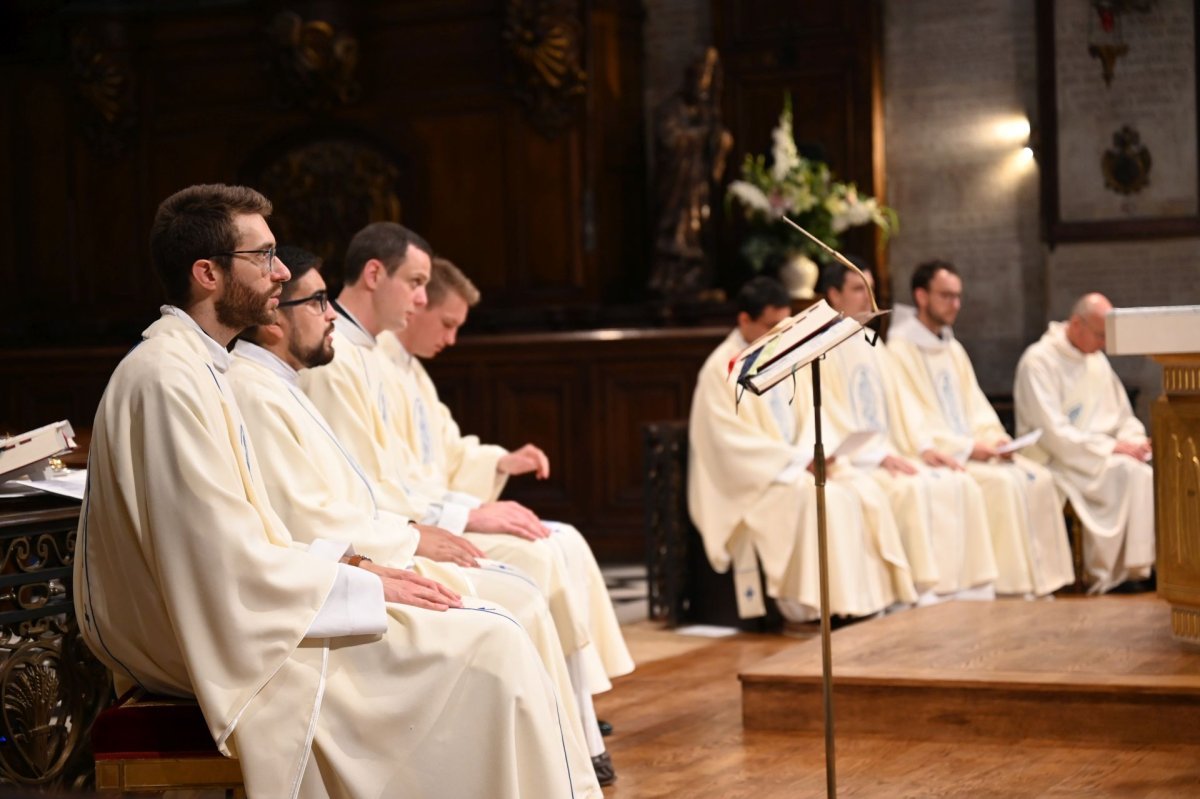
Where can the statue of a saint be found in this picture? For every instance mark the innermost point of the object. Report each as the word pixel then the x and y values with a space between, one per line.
pixel 691 146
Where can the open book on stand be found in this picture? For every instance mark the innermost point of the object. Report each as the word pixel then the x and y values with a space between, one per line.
pixel 793 344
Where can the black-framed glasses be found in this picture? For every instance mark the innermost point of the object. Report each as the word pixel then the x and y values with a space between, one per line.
pixel 266 263
pixel 321 298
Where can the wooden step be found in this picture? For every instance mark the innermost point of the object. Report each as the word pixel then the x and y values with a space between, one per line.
pixel 1079 670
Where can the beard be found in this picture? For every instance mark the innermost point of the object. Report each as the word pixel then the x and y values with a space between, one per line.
pixel 241 307
pixel 315 355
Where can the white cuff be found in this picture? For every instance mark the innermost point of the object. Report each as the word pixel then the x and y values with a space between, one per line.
pixel 354 606
pixel 453 517
pixel 327 549
pixel 460 498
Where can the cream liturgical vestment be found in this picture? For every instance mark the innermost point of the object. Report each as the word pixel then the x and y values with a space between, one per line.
pixel 1029 536
pixel 749 493
pixel 188 583
pixel 939 512
pixel 447 464
pixel 353 394
pixel 322 493
pixel 1082 409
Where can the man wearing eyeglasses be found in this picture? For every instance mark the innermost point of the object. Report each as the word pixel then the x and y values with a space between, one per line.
pixel 386 270
pixel 321 492
pixel 1092 443
pixel 314 667
pixel 1029 537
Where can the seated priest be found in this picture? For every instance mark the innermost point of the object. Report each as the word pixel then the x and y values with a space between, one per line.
pixel 1029 537
pixel 386 271
pixel 1092 443
pixel 324 674
pixel 446 463
pixel 938 508
pixel 751 491
pixel 321 492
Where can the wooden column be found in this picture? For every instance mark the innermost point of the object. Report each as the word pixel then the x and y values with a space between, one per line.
pixel 1176 433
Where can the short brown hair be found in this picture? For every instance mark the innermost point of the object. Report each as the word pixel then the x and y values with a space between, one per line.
pixel 197 223
pixel 444 278
pixel 387 242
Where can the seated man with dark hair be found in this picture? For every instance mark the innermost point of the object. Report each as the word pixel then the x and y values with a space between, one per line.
pixel 1029 537
pixel 752 496
pixel 324 674
pixel 938 508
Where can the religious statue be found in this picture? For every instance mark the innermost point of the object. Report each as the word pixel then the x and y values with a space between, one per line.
pixel 691 145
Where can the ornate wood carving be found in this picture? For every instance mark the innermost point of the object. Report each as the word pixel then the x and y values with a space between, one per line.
pixel 51 687
pixel 325 191
pixel 104 84
pixel 545 42
pixel 1176 432
pixel 314 64
pixel 666 520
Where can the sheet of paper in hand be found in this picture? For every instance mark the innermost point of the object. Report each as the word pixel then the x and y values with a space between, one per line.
pixel 1027 440
pixel 794 343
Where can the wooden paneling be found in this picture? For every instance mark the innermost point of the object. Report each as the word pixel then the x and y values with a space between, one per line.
pixel 584 398
pixel 538 221
pixel 827 57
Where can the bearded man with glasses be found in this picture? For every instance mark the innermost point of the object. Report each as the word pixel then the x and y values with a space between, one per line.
pixel 325 675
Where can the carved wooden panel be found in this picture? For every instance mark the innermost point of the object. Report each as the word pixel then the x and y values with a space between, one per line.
pixel 212 92
pixel 584 398
pixel 1176 432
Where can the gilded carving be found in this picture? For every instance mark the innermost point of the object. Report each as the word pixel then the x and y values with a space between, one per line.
pixel 325 191
pixel 545 40
pixel 314 63
pixel 51 687
pixel 104 83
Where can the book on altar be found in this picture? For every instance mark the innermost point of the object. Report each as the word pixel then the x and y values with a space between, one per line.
pixel 26 453
pixel 794 343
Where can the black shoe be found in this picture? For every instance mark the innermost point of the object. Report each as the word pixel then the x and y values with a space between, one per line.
pixel 605 727
pixel 605 774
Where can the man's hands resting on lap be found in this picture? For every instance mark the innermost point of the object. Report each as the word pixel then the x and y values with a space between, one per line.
pixel 507 518
pixel 405 587
pixel 443 545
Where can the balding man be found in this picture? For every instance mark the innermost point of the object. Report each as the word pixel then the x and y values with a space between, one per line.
pixel 1092 443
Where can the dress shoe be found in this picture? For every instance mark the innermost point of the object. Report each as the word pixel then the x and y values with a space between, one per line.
pixel 605 727
pixel 605 774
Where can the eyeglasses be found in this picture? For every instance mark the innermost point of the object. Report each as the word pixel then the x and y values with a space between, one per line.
pixel 321 298
pixel 266 263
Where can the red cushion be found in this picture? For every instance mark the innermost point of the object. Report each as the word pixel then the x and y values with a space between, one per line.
pixel 148 726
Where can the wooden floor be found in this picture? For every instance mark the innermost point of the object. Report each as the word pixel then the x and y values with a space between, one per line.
pixel 1078 670
pixel 679 733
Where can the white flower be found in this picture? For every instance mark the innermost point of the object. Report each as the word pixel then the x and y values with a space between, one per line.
pixel 783 149
pixel 751 196
pixel 854 213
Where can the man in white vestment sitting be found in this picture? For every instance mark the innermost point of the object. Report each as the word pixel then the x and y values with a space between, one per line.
pixel 320 491
pixel 938 508
pixel 447 463
pixel 1092 443
pixel 325 674
pixel 1029 537
pixel 386 270
pixel 752 496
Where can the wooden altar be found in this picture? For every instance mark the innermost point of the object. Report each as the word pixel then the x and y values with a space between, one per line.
pixel 1171 335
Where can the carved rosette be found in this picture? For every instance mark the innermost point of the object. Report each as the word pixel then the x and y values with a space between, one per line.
pixel 325 191
pixel 545 44
pixel 103 79
pixel 51 687
pixel 314 64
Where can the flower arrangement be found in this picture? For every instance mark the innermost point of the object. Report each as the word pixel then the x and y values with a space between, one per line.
pixel 805 191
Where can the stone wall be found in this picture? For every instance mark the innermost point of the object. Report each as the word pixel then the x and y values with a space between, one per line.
pixel 957 76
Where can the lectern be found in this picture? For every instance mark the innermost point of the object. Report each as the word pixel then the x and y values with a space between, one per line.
pixel 1171 336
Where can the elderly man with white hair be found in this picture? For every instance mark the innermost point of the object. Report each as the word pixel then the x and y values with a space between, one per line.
pixel 1091 442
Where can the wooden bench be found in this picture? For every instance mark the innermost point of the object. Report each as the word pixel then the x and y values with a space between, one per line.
pixel 146 743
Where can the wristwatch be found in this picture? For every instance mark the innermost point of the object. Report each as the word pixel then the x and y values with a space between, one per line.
pixel 357 560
